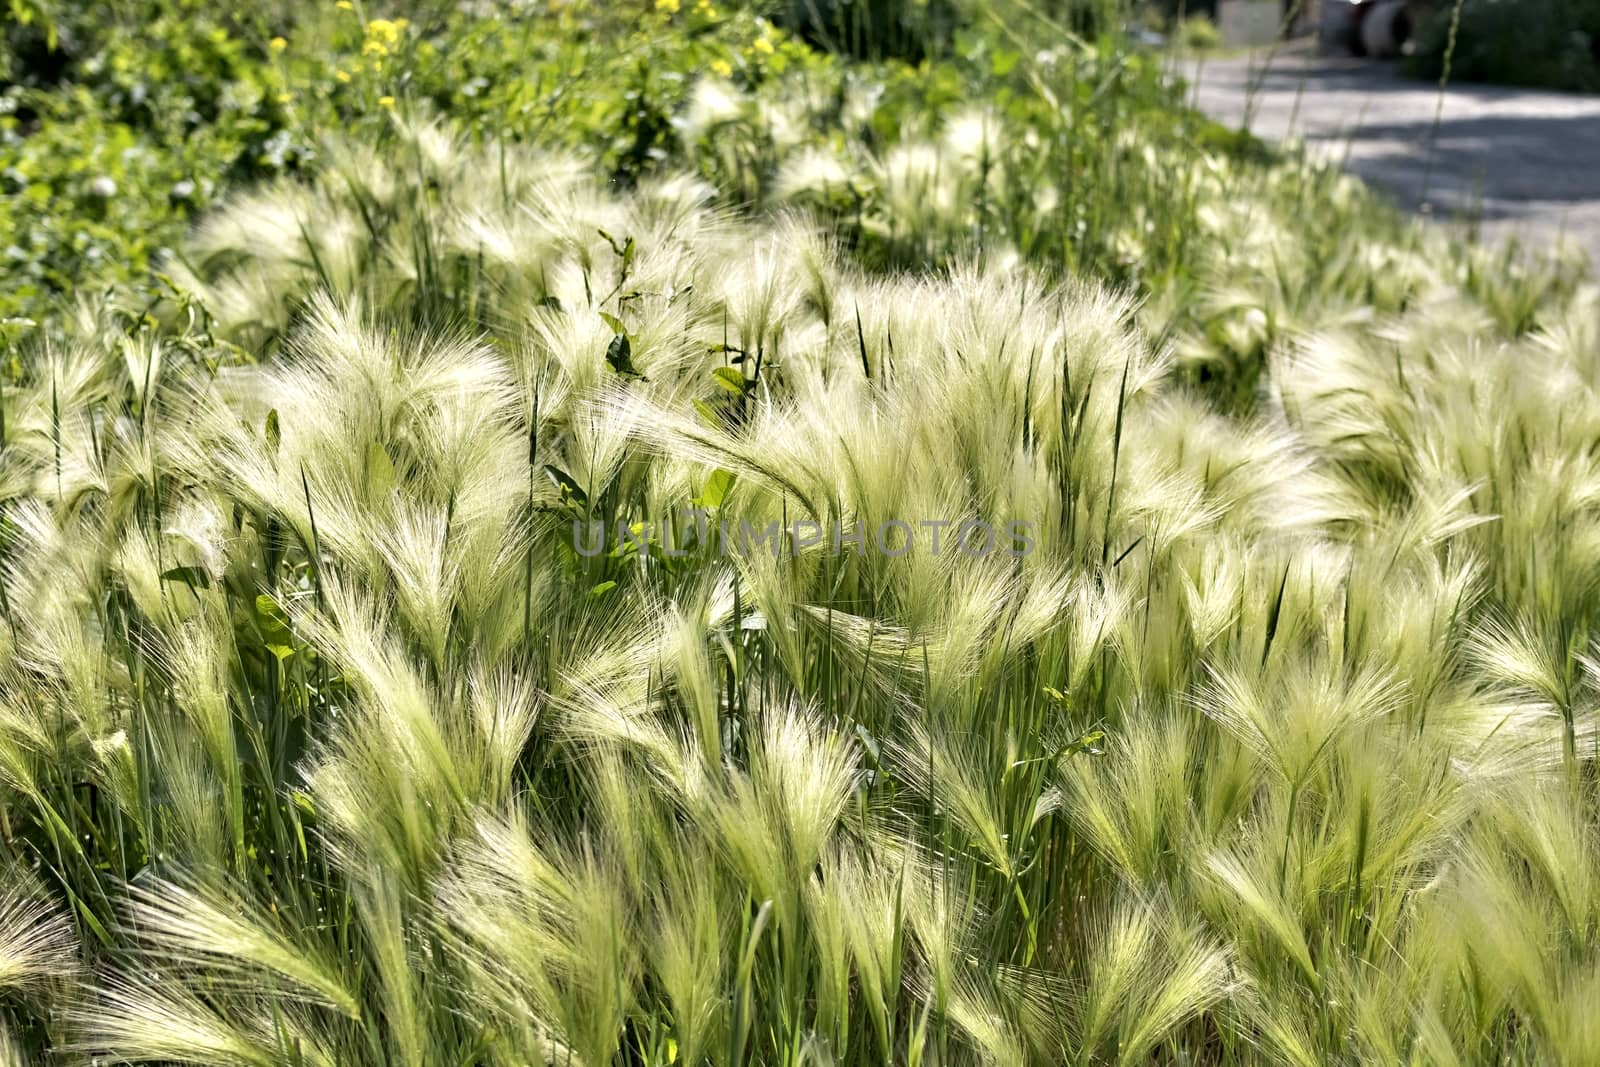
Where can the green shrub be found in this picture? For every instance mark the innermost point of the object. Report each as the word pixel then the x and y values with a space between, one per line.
pixel 110 140
pixel 1552 44
pixel 142 114
pixel 876 29
pixel 1198 32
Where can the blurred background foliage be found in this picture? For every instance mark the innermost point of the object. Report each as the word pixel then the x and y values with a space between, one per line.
pixel 1552 44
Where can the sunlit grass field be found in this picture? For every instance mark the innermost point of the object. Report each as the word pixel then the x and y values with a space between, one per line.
pixel 828 559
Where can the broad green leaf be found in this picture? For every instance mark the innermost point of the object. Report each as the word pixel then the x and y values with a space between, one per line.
pixel 276 636
pixel 717 488
pixel 619 353
pixel 569 488
pixel 732 380
pixel 380 470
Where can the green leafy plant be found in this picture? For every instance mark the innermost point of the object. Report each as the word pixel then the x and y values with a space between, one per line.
pixel 1551 44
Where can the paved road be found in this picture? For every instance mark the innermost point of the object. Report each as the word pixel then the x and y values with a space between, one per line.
pixel 1520 161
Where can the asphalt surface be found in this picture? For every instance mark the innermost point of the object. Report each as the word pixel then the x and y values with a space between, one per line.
pixel 1515 161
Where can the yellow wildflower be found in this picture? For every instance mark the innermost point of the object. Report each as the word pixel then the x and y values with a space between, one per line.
pixel 722 68
pixel 284 98
pixel 384 30
pixel 386 101
pixel 341 75
pixel 762 45
pixel 344 5
pixel 277 44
